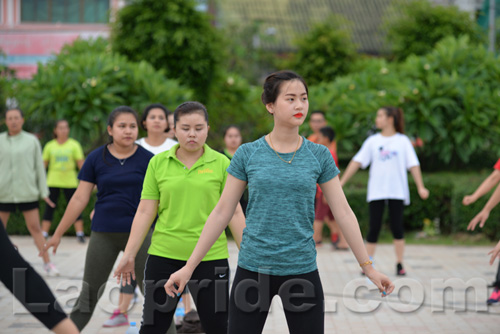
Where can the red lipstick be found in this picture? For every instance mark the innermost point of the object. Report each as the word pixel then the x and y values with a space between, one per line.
pixel 299 115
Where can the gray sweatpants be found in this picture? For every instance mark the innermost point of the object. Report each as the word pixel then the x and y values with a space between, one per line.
pixel 102 252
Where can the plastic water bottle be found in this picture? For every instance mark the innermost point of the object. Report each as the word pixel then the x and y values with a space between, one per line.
pixel 132 329
pixel 179 312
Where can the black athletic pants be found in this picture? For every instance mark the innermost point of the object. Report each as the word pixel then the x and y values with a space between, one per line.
pixel 209 287
pixel 251 295
pixel 396 208
pixel 27 285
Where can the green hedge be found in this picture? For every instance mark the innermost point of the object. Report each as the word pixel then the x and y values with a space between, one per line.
pixel 444 203
pixel 17 225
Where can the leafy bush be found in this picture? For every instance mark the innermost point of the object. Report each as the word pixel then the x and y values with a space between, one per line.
pixel 173 36
pixel 86 46
pixel 420 24
pixel 236 102
pixel 456 111
pixel 351 101
pixel 450 97
pixel 84 87
pixel 244 52
pixel 325 52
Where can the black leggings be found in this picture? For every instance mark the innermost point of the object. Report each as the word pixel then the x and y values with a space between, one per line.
pixel 251 295
pixel 54 197
pixel 497 278
pixel 29 288
pixel 396 207
pixel 209 287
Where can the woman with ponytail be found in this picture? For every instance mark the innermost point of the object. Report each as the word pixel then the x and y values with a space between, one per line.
pixel 390 154
pixel 278 252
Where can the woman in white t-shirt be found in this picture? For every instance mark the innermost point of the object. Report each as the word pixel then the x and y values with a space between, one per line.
pixel 155 122
pixel 390 154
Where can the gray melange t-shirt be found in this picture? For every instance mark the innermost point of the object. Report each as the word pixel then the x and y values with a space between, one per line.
pixel 278 238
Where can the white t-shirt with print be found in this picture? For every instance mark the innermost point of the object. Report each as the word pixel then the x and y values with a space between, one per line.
pixel 389 158
pixel 167 145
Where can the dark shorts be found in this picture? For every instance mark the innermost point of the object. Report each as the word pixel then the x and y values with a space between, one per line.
pixel 11 207
pixel 54 197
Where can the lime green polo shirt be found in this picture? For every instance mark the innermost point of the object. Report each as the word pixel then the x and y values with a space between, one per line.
pixel 186 199
pixel 62 160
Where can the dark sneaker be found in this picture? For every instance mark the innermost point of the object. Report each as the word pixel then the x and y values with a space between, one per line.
pixel 400 271
pixel 494 298
pixel 80 238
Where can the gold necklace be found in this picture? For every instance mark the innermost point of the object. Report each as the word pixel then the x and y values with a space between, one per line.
pixel 293 156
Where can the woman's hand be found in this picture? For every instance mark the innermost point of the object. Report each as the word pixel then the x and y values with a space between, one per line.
pixel 54 242
pixel 468 199
pixel 423 192
pixel 125 270
pixel 494 253
pixel 384 284
pixel 49 202
pixel 177 281
pixel 480 219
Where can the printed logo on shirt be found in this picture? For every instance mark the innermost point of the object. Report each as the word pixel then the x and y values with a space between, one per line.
pixel 205 171
pixel 62 158
pixel 386 154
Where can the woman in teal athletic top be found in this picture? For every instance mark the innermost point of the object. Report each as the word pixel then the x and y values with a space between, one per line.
pixel 277 254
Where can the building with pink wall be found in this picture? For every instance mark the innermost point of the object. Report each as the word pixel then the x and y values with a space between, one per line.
pixel 31 31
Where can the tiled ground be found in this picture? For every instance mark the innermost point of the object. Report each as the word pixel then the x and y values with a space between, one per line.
pixel 435 297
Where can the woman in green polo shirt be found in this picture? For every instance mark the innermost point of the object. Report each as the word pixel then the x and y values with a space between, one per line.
pixel 182 185
pixel 278 253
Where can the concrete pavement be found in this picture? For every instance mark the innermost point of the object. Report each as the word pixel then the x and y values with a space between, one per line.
pixel 445 291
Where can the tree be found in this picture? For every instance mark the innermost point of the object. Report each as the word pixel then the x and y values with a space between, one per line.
pixel 325 52
pixel 421 25
pixel 5 74
pixel 171 35
pixel 245 54
pixel 84 87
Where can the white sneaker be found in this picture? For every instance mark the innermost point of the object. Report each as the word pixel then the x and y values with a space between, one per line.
pixel 51 270
pixel 136 295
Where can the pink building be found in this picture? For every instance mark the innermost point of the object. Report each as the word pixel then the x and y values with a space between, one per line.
pixel 31 31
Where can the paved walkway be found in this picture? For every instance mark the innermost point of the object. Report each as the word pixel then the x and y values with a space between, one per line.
pixel 433 298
